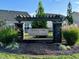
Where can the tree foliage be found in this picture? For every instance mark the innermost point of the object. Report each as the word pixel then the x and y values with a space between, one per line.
pixel 69 14
pixel 40 12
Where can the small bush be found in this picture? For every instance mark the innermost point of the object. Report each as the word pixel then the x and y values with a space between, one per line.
pixel 7 35
pixel 68 47
pixel 71 35
pixel 13 46
pixel 63 47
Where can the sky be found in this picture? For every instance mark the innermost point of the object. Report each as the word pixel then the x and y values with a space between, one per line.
pixel 30 6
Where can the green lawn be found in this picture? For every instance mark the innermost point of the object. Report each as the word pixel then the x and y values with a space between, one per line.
pixel 16 56
pixel 27 36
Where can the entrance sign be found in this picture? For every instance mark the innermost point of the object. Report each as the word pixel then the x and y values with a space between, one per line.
pixel 38 32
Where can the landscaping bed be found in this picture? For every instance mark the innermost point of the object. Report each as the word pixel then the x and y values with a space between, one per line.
pixel 40 49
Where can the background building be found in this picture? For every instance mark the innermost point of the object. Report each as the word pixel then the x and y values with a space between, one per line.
pixel 75 16
pixel 9 17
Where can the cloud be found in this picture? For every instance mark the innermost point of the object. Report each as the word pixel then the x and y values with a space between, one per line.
pixel 77 9
pixel 56 12
pixel 57 0
pixel 33 14
pixel 77 2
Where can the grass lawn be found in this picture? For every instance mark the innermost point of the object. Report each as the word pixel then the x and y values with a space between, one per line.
pixel 27 36
pixel 19 56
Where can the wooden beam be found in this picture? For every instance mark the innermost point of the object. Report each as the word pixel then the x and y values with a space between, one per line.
pixel 56 18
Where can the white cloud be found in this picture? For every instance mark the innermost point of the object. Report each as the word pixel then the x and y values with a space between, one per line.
pixel 56 12
pixel 77 9
pixel 33 14
pixel 57 0
pixel 77 2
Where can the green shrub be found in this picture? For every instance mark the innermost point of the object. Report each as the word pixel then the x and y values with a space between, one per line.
pixel 7 35
pixel 63 47
pixel 12 46
pixel 68 47
pixel 71 35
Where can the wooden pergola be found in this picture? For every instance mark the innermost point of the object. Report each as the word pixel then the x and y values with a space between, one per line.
pixel 56 21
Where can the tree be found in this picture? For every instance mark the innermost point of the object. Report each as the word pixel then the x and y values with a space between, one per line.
pixel 40 12
pixel 69 14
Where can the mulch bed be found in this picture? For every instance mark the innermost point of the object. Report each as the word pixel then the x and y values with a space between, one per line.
pixel 40 49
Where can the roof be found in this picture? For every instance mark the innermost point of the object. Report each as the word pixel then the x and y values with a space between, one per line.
pixel 10 15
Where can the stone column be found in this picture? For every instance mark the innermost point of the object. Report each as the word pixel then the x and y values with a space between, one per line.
pixel 57 34
pixel 19 28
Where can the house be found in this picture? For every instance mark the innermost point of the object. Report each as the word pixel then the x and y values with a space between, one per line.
pixel 9 17
pixel 75 16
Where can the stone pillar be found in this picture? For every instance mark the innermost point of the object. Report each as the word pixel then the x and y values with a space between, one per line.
pixel 57 34
pixel 19 28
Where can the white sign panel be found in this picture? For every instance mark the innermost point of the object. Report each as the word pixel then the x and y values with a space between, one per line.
pixel 40 32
